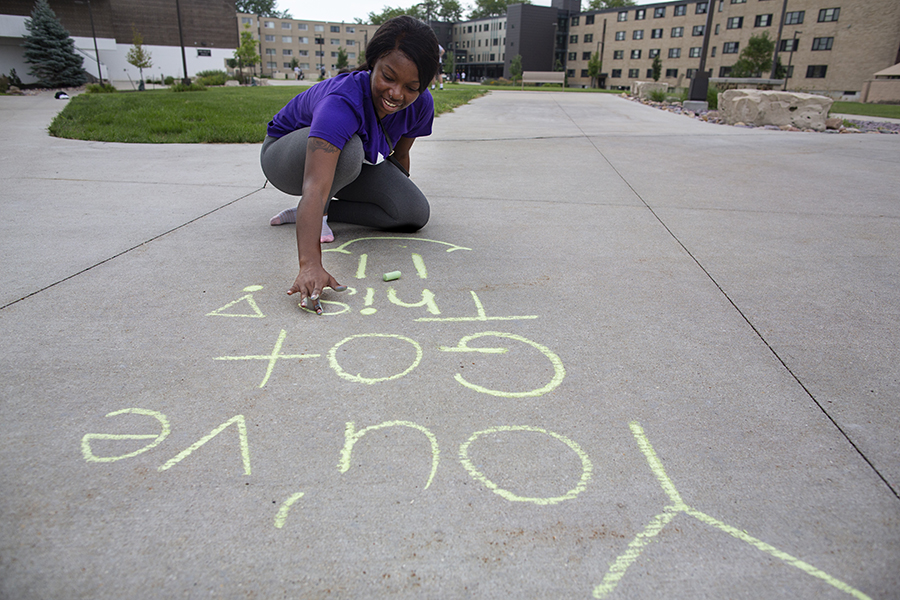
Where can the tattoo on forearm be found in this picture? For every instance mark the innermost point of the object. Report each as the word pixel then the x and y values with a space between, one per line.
pixel 320 144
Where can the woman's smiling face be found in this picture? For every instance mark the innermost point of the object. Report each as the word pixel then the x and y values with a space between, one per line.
pixel 395 83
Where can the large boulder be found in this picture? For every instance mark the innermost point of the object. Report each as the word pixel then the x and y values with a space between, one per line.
pixel 761 107
pixel 642 89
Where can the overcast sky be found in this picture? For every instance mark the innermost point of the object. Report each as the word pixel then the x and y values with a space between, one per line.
pixel 349 10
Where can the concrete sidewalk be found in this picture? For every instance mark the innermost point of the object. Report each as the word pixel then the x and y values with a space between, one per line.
pixel 632 355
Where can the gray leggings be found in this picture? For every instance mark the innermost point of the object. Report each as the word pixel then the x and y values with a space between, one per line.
pixel 378 196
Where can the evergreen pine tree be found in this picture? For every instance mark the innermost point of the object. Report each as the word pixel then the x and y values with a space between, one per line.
pixel 50 51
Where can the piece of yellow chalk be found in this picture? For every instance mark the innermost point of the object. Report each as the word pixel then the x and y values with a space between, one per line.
pixel 392 276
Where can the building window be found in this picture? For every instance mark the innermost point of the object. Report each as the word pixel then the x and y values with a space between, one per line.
pixel 335 42
pixel 659 12
pixel 702 7
pixel 270 51
pixel 724 71
pixel 584 73
pixel 303 40
pixel 637 34
pixel 620 36
pixel 816 71
pixel 674 52
pixel 270 38
pixel 634 73
pixel 794 18
pixel 585 56
pixel 618 54
pixel 680 10
pixel 335 29
pixel 319 27
pixel 649 73
pixel 656 34
pixel 823 43
pixel 788 45
pixel 712 52
pixel 271 65
pixel 829 14
pixel 286 39
pixel 738 1
pixel 574 21
pixel 654 52
pixel 640 14
pixel 616 73
pixel 698 30
pixel 573 55
pixel 735 23
pixel 302 27
pixel 302 52
pixel 635 54
pixel 351 30
pixel 695 52
pixel 588 38
pixel 717 28
pixel 677 31
pixel 623 16
pixel 350 42
pixel 672 73
pixel 320 53
pixel 569 73
pixel 730 48
pixel 286 65
pixel 285 25
pixel 573 39
pixel 790 71
pixel 690 73
pixel 763 21
pixel 246 20
pixel 589 19
pixel 334 55
pixel 269 25
pixel 287 52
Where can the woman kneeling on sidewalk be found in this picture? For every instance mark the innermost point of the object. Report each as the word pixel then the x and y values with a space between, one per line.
pixel 348 138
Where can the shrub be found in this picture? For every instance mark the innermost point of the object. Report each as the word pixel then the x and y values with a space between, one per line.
pixel 209 78
pixel 658 95
pixel 169 80
pixel 4 84
pixel 193 87
pixel 712 97
pixel 100 88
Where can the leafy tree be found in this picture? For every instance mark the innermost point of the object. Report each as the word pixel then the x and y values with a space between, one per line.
pixel 263 8
pixel 594 68
pixel 342 61
pixel 602 4
pixel 50 51
pixel 427 10
pixel 657 67
pixel 450 64
pixel 450 10
pixel 388 13
pixel 137 56
pixel 247 54
pixel 756 57
pixel 515 67
pixel 492 8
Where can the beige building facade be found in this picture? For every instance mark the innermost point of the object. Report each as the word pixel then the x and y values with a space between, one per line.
pixel 314 44
pixel 832 46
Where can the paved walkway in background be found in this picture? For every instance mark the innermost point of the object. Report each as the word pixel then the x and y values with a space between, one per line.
pixel 632 355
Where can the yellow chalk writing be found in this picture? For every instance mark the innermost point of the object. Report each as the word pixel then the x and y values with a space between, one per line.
pixel 367 302
pixel 586 466
pixel 242 434
pixel 427 301
pixel 351 436
pixel 343 247
pixel 636 546
pixel 332 358
pixel 271 358
pixel 361 269
pixel 419 264
pixel 281 516
pixel 248 298
pixel 482 315
pixel 559 371
pixel 157 438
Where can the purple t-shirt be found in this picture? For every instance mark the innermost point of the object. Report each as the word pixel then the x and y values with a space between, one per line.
pixel 339 107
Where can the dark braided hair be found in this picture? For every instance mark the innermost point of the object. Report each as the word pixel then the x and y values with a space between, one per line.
pixel 412 37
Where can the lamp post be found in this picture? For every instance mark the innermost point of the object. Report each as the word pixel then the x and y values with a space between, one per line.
pixel 185 81
pixel 790 59
pixel 94 34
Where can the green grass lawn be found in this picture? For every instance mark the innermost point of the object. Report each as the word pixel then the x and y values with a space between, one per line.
pixel 220 115
pixel 890 111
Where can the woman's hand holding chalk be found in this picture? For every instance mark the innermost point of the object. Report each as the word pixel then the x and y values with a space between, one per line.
pixel 392 276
